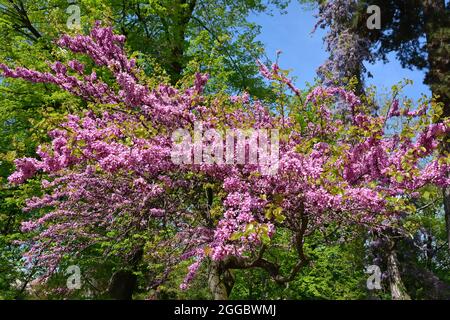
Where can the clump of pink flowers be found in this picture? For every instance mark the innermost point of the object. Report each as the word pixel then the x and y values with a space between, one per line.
pixel 112 171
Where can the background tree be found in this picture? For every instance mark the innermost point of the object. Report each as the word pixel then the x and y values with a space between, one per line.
pixel 417 31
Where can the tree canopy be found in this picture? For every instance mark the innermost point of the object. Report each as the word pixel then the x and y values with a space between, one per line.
pixel 159 153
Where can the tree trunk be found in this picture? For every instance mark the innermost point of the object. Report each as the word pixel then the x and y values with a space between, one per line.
pixel 122 285
pixel 217 281
pixel 398 290
pixel 438 76
pixel 123 282
pixel 436 19
pixel 446 193
pixel 175 25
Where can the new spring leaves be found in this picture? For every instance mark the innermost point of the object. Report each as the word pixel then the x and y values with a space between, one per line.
pixel 74 19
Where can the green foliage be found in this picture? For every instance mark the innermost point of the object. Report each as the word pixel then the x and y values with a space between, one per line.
pixel 335 272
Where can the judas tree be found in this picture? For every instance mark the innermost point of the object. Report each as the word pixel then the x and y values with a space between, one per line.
pixel 110 186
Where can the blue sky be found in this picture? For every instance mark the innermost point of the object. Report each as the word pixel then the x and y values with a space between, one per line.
pixel 304 52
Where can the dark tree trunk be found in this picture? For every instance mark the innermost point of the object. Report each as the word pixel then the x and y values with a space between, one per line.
pixel 123 282
pixel 122 285
pixel 175 27
pixel 446 193
pixel 437 28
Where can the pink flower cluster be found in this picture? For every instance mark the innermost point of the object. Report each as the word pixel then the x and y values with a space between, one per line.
pixel 113 171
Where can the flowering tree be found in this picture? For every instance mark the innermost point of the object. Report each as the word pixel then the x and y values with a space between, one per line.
pixel 109 177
